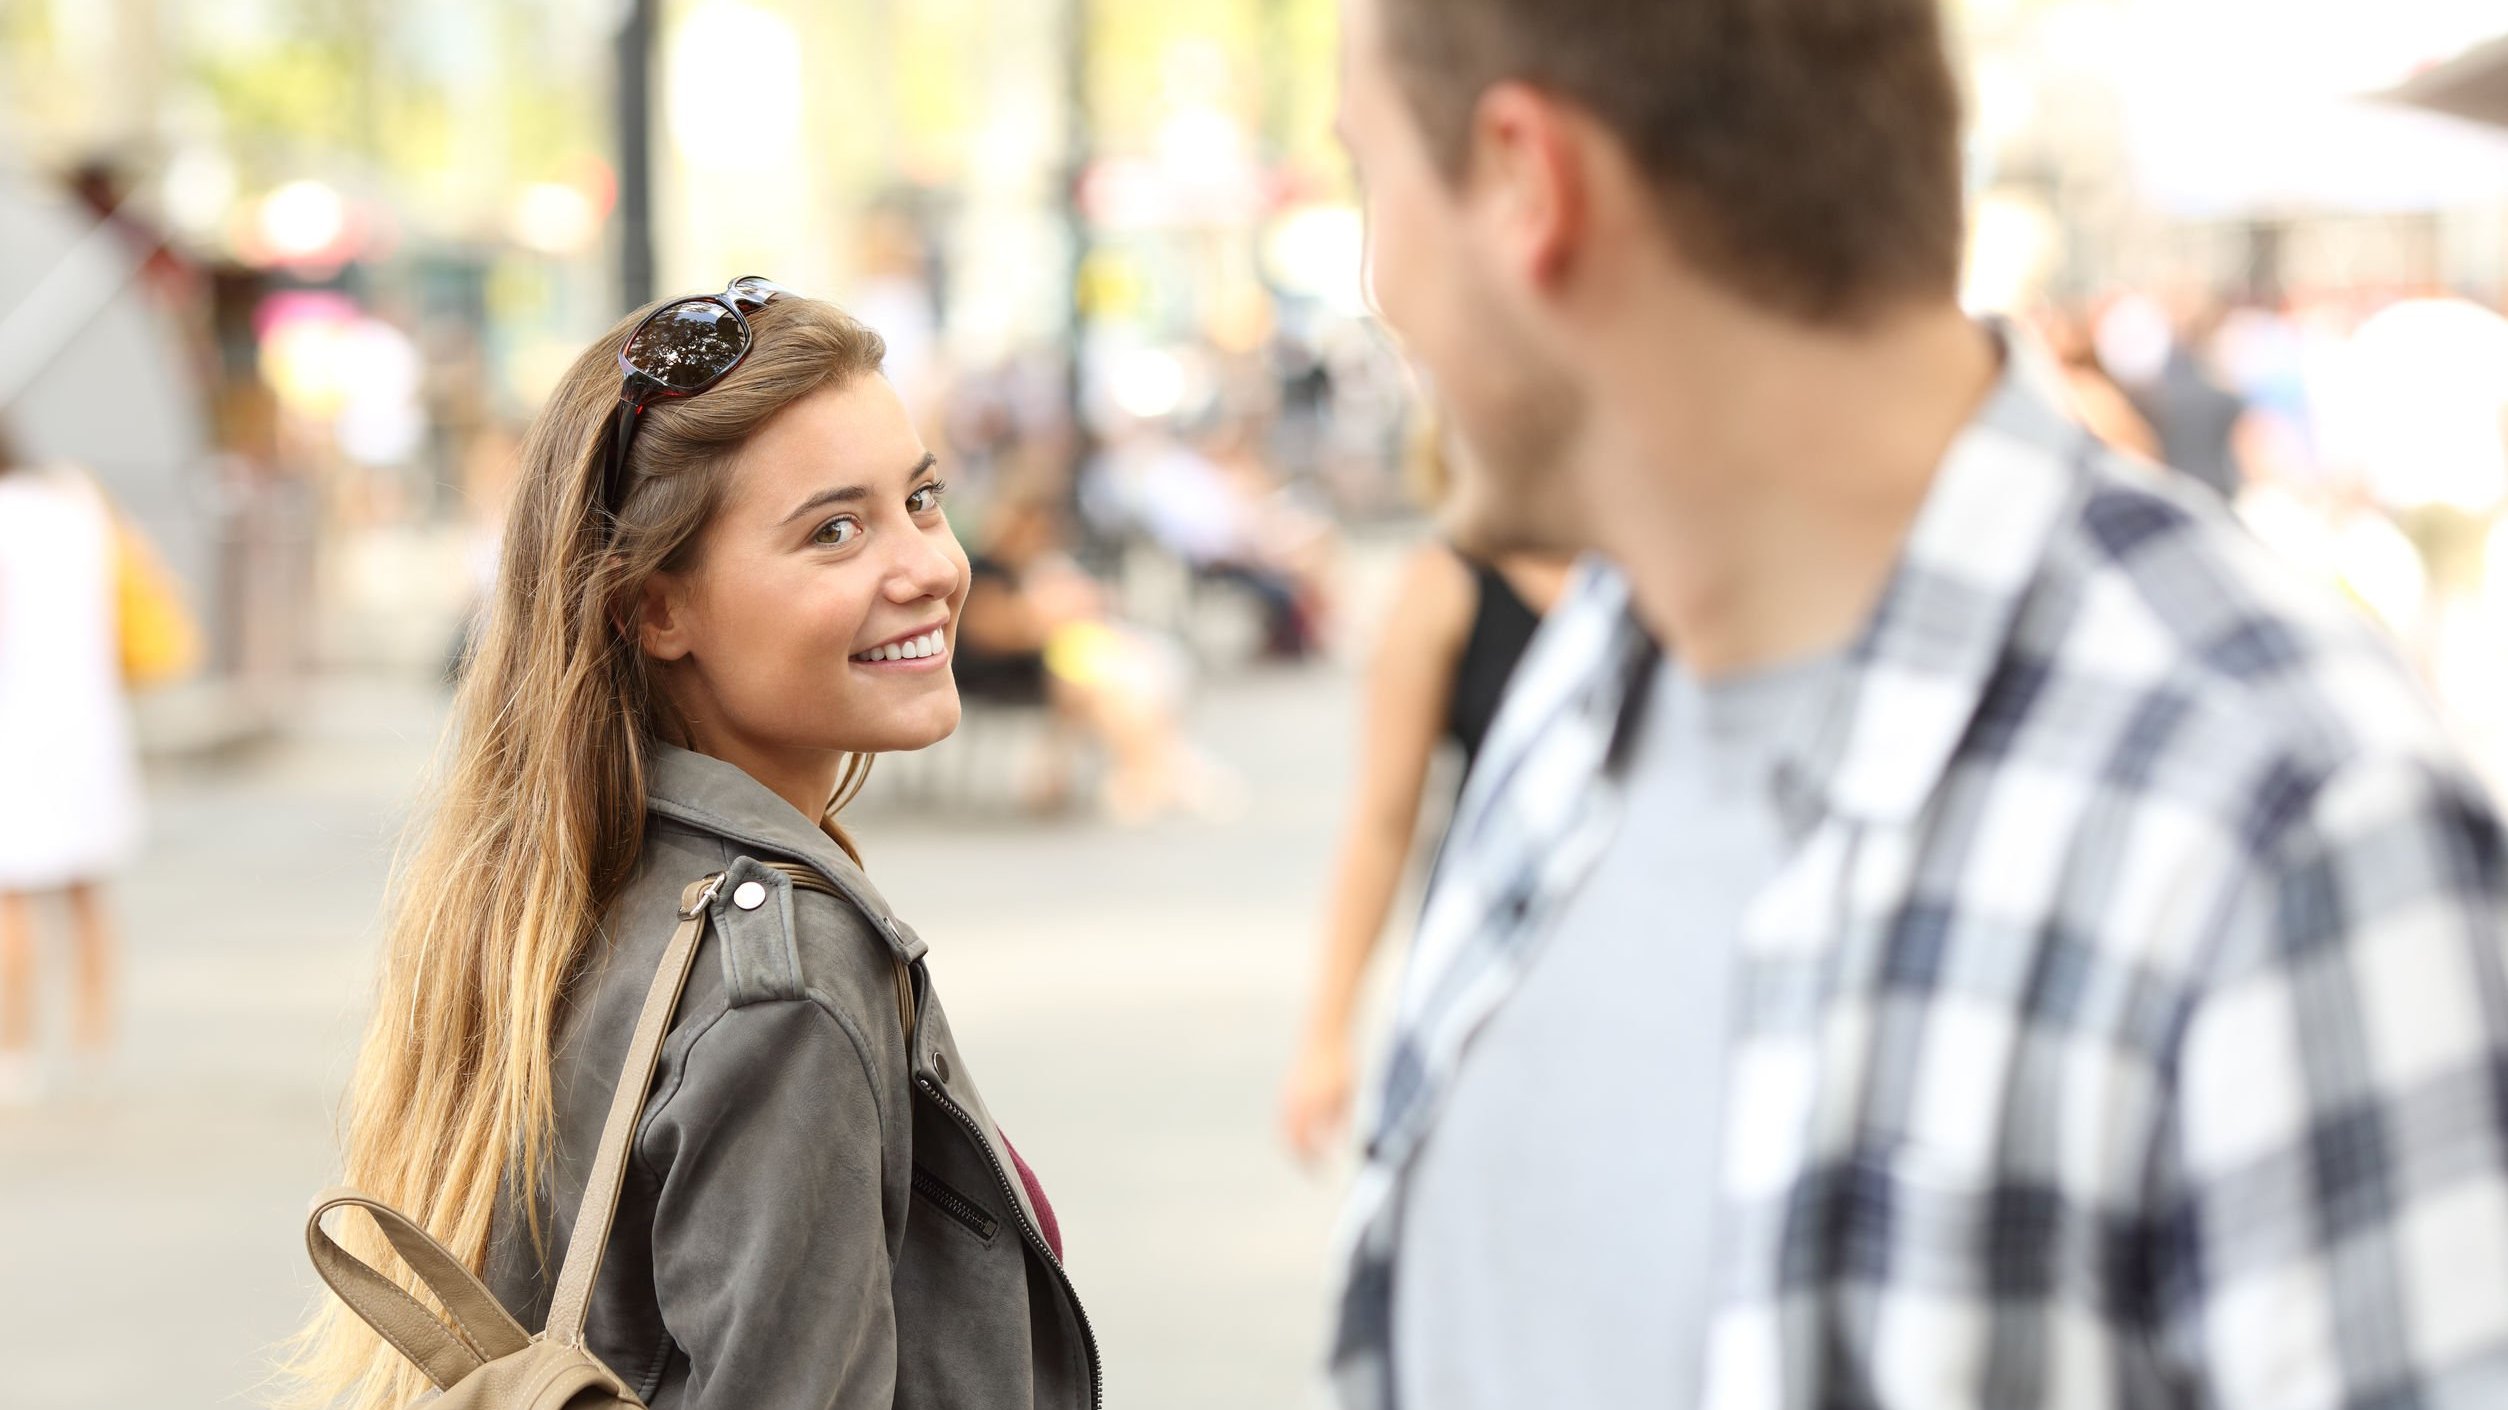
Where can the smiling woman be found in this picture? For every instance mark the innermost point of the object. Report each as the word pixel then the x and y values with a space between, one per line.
pixel 813 562
pixel 711 615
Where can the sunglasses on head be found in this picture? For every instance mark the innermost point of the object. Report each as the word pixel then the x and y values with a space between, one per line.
pixel 679 350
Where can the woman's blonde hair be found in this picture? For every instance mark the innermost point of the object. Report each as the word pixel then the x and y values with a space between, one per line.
pixel 538 814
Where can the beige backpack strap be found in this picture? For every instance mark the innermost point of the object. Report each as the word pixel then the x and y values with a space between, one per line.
pixel 487 1331
pixel 809 880
pixel 591 1238
pixel 573 1298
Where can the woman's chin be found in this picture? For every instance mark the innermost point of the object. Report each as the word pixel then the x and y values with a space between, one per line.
pixel 921 726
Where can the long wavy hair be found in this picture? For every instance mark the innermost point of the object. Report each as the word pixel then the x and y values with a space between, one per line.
pixel 537 815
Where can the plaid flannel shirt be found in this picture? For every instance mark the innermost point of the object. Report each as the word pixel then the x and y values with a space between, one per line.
pixel 2128 1024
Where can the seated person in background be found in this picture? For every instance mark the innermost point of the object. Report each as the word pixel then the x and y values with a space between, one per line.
pixel 1215 506
pixel 1036 631
pixel 1288 553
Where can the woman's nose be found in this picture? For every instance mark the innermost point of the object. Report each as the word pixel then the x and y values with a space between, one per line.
pixel 924 568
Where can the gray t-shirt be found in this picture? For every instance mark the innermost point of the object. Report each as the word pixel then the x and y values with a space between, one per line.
pixel 1558 1229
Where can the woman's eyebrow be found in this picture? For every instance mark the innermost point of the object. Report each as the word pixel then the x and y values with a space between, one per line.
pixel 839 494
pixel 851 494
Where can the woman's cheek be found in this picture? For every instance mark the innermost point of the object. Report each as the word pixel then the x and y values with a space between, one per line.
pixel 829 610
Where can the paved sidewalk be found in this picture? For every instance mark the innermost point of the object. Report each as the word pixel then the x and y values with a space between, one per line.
pixel 1125 997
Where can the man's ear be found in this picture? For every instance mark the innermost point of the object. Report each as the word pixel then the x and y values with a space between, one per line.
pixel 663 630
pixel 1527 172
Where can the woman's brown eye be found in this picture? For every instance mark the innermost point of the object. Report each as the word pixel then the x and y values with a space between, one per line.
pixel 926 499
pixel 836 533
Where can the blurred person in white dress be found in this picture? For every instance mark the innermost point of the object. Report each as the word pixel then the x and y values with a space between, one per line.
pixel 69 773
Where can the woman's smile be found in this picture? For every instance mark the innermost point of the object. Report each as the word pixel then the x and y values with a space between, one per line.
pixel 923 649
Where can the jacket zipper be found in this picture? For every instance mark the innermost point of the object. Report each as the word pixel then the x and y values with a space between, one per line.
pixel 956 1205
pixel 1035 1240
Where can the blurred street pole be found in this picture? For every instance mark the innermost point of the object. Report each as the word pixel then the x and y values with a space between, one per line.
pixel 1080 138
pixel 1276 112
pixel 635 152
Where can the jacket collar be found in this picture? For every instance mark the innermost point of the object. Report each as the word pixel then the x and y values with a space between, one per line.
pixel 709 794
pixel 1918 675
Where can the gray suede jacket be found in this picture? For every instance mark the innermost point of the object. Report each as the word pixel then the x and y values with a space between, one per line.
pixel 819 1213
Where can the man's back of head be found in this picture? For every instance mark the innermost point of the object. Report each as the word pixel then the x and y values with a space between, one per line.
pixel 1805 151
pixel 1670 265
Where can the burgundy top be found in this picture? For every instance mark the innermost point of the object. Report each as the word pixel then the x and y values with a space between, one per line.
pixel 1046 1224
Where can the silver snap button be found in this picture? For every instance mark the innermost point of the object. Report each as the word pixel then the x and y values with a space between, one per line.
pixel 940 1066
pixel 749 895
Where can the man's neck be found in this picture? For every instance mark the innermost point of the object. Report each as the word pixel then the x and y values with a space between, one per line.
pixel 1758 485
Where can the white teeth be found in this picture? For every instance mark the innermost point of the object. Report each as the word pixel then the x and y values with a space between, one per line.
pixel 931 643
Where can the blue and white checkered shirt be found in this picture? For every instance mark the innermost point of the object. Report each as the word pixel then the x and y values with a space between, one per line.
pixel 2128 1025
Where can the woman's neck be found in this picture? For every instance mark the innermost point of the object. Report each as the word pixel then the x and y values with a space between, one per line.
pixel 804 778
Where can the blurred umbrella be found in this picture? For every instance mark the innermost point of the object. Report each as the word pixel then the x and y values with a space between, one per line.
pixel 2236 109
pixel 2473 85
pixel 93 369
pixel 2206 155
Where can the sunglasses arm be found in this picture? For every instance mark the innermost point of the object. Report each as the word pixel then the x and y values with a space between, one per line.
pixel 623 423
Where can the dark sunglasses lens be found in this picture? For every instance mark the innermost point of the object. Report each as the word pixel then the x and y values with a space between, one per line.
pixel 688 345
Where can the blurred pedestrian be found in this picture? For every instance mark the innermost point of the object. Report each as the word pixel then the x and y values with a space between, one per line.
pixel 1292 551
pixel 2092 395
pixel 1037 630
pixel 1945 919
pixel 69 770
pixel 2158 361
pixel 1449 644
pixel 712 612
pixel 1213 506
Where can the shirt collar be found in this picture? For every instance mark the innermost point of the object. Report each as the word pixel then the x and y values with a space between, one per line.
pixel 1916 676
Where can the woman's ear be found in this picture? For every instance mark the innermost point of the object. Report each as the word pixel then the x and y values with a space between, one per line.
pixel 663 630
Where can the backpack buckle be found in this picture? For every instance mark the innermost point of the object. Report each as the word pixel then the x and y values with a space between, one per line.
pixel 690 908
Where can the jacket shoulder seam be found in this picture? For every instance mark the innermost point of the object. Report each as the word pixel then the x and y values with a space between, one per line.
pixel 861 1052
pixel 844 1024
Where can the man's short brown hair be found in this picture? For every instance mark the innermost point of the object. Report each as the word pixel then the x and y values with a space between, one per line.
pixel 1805 152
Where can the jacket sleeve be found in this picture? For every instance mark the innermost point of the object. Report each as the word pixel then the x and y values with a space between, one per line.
pixel 770 1254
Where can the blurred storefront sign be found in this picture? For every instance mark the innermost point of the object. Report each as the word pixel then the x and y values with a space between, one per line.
pixel 2472 85
pixel 304 222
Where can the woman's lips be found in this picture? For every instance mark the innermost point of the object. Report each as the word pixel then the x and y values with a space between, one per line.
pixel 926 651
